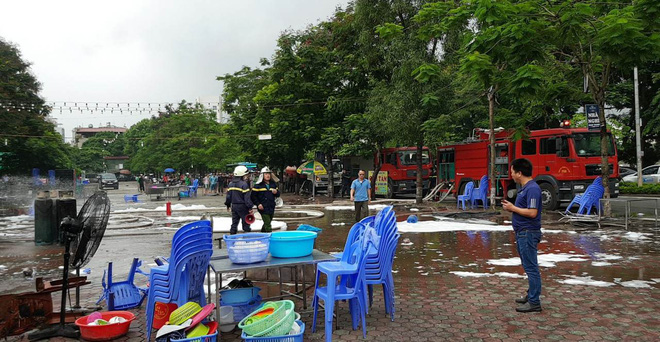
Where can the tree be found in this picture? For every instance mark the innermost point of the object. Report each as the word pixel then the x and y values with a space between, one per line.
pixel 502 54
pixel 28 140
pixel 186 138
pixel 598 38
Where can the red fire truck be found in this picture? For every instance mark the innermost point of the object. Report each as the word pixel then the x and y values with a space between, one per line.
pixel 400 163
pixel 566 160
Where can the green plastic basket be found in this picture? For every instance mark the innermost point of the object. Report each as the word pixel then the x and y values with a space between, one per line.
pixel 265 323
pixel 283 327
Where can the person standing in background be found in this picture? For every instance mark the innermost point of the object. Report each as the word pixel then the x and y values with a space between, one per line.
pixel 361 196
pixel 263 196
pixel 239 200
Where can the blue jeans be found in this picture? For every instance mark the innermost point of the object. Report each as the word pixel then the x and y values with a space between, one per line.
pixel 527 243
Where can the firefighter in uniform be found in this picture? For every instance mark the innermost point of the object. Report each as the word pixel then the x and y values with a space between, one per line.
pixel 238 199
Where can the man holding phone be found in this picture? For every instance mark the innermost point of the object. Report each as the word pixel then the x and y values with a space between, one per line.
pixel 526 221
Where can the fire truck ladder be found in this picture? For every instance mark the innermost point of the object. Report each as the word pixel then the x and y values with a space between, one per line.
pixel 437 189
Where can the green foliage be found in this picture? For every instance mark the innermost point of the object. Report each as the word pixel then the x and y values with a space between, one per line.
pixel 628 188
pixel 186 138
pixel 27 140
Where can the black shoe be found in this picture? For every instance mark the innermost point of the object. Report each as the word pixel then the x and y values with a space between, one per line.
pixel 522 300
pixel 529 307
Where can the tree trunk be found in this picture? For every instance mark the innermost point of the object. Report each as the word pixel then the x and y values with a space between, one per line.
pixel 420 186
pixel 331 175
pixel 604 149
pixel 491 127
pixel 378 164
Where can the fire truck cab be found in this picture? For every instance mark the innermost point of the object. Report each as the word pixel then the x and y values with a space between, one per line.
pixel 565 160
pixel 400 163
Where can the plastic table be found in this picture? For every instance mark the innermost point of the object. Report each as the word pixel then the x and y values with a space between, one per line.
pixel 220 263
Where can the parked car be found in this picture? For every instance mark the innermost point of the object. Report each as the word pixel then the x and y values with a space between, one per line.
pixel 650 174
pixel 126 178
pixel 93 177
pixel 625 171
pixel 108 180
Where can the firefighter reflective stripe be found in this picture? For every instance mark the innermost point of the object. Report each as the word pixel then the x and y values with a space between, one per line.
pixel 239 189
pixel 259 189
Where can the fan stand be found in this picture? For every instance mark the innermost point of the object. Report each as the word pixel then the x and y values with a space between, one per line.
pixel 62 329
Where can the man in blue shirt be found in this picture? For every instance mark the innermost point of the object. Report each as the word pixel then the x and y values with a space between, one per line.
pixel 361 196
pixel 526 221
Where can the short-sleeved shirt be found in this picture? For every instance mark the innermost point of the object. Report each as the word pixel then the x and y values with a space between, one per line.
pixel 361 189
pixel 529 197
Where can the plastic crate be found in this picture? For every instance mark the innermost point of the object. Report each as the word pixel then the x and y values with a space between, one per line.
pixel 242 310
pixel 206 338
pixel 287 338
pixel 247 248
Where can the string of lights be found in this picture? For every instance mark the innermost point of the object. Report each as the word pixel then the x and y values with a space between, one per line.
pixel 143 108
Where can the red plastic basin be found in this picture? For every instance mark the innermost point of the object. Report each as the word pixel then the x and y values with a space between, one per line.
pixel 105 332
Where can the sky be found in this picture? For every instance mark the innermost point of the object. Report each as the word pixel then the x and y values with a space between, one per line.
pixel 145 51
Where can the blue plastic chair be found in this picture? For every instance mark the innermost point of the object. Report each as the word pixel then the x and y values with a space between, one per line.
pixel 592 194
pixel 379 266
pixel 131 198
pixel 192 189
pixel 124 294
pixel 466 196
pixel 351 272
pixel 182 280
pixel 480 193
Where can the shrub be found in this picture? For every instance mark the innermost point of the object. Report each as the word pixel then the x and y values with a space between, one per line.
pixel 632 188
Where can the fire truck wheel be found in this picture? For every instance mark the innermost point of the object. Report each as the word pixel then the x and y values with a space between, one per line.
pixel 548 196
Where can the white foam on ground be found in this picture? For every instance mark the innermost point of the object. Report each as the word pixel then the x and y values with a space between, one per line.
pixel 18 218
pixel 449 225
pixel 183 218
pixel 180 206
pixel 131 210
pixel 545 260
pixel 414 209
pixel 656 280
pixel 639 284
pixel 634 236
pixel 350 207
pixel 338 224
pixel 177 206
pixel 603 256
pixel 574 280
pixel 222 224
pixel 600 263
pixel 481 275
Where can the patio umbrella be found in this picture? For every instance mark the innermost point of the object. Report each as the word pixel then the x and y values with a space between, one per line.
pixel 125 172
pixel 312 168
pixel 169 170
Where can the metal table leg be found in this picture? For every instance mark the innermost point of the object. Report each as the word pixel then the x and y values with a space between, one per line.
pixel 279 275
pixel 304 288
pixel 209 297
pixel 218 283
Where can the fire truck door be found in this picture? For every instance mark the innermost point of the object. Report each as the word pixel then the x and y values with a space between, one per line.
pixel 551 163
pixel 528 149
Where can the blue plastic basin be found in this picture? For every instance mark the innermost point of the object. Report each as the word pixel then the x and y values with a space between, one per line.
pixel 292 244
pixel 237 296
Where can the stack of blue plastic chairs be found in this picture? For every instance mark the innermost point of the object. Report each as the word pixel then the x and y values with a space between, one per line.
pixel 182 279
pixel 379 264
pixel 351 271
pixel 480 193
pixel 466 196
pixel 589 199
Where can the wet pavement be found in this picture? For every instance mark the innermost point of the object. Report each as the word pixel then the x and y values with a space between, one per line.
pixel 456 283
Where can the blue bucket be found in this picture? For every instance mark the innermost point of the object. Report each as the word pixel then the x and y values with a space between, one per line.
pixel 292 244
pixel 241 295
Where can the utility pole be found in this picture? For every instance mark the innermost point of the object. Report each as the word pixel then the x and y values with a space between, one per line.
pixel 638 134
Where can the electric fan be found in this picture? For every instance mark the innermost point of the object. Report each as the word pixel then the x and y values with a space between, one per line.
pixel 83 236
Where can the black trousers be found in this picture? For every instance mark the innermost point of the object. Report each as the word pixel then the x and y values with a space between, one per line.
pixel 361 210
pixel 238 213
